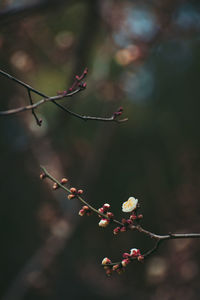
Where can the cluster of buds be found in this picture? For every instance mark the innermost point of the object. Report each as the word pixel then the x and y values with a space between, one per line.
pixel 119 267
pixel 128 257
pixel 118 112
pixel 77 84
pixel 105 221
pixel 85 210
pixel 56 186
pixel 74 193
pixel 131 206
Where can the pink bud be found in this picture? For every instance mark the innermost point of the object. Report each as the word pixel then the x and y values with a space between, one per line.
pixel 125 262
pixel 133 217
pixel 73 190
pixel 123 229
pixel 106 207
pixel 104 223
pixel 129 221
pixel 64 180
pixel 106 261
pixel 81 212
pixel 80 192
pixel 101 210
pixel 140 258
pixel 42 175
pixel 85 71
pixel 109 272
pixel 85 207
pixel 116 230
pixel 110 215
pixel 134 252
pixel 55 186
pixel 126 255
pixel 124 221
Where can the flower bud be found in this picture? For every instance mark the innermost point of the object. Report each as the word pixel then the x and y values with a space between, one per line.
pixel 125 262
pixel 126 255
pixel 80 192
pixel 109 272
pixel 106 261
pixel 81 212
pixel 106 207
pixel 134 252
pixel 133 217
pixel 140 258
pixel 85 207
pixel 140 216
pixel 110 215
pixel 101 210
pixel 116 230
pixel 64 180
pixel 115 267
pixel 42 175
pixel 73 190
pixel 70 196
pixel 55 186
pixel 104 223
pixel 123 229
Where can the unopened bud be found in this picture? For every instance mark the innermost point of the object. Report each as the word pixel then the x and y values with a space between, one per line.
pixel 140 216
pixel 123 229
pixel 116 230
pixel 73 190
pixel 126 255
pixel 133 217
pixel 64 180
pixel 70 196
pixel 85 207
pixel 42 175
pixel 115 267
pixel 109 272
pixel 81 212
pixel 125 262
pixel 140 258
pixel 134 252
pixel 104 223
pixel 106 261
pixel 110 215
pixel 55 186
pixel 106 207
pixel 80 192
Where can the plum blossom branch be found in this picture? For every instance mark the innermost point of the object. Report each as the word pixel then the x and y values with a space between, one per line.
pixel 73 193
pixel 77 86
pixel 107 217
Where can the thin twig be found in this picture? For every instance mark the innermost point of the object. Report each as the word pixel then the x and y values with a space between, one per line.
pixel 39 122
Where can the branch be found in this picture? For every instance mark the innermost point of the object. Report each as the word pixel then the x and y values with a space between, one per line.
pixel 132 223
pixel 76 87
pixel 69 191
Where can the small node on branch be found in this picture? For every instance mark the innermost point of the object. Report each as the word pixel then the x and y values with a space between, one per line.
pixel 64 180
pixel 42 175
pixel 55 186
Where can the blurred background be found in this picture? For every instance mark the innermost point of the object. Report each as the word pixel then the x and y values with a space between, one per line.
pixel 144 56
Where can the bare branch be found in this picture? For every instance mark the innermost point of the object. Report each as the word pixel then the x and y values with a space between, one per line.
pixel 76 87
